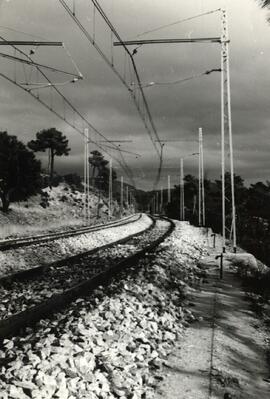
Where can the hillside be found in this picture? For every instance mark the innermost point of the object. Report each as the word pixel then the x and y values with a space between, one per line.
pixel 55 208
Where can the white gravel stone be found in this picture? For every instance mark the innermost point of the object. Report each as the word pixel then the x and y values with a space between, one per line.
pixel 35 255
pixel 111 346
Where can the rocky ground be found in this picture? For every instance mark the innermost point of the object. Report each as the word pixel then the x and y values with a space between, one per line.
pixel 112 345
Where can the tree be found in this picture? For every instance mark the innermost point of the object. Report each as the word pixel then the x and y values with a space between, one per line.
pixel 54 141
pixel 100 170
pixel 100 173
pixel 19 171
pixel 74 181
pixel 258 200
pixel 98 164
pixel 191 197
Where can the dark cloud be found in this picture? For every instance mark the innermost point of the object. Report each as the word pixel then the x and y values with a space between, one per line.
pixel 178 110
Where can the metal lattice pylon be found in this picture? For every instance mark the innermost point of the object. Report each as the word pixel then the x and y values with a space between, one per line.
pixel 226 128
pixel 201 201
pixel 86 204
pixel 182 192
pixel 110 189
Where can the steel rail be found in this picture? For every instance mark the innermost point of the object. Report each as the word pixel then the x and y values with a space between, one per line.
pixel 38 270
pixel 16 323
pixel 32 240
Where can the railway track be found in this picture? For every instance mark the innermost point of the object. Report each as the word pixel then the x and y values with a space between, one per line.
pixel 8 244
pixel 31 295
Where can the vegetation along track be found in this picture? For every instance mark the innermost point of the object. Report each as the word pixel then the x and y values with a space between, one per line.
pixel 25 299
pixel 8 244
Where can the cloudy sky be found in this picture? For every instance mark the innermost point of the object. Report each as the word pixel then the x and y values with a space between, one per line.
pixel 178 110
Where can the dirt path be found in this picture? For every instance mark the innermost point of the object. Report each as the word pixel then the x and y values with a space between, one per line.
pixel 222 354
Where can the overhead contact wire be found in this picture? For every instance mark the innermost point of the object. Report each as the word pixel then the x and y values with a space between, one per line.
pixel 126 168
pixel 110 25
pixel 178 22
pixel 107 60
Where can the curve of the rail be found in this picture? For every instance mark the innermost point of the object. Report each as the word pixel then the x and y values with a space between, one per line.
pixel 136 245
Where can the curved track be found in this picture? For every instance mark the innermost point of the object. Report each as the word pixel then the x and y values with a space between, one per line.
pixel 28 296
pixel 6 245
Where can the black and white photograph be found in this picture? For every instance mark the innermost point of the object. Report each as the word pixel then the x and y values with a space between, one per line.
pixel 134 199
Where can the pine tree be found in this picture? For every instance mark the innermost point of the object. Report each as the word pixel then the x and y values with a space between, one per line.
pixel 54 141
pixel 19 171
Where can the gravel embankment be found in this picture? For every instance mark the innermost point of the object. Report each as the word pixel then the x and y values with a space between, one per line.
pixel 113 344
pixel 19 295
pixel 39 254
